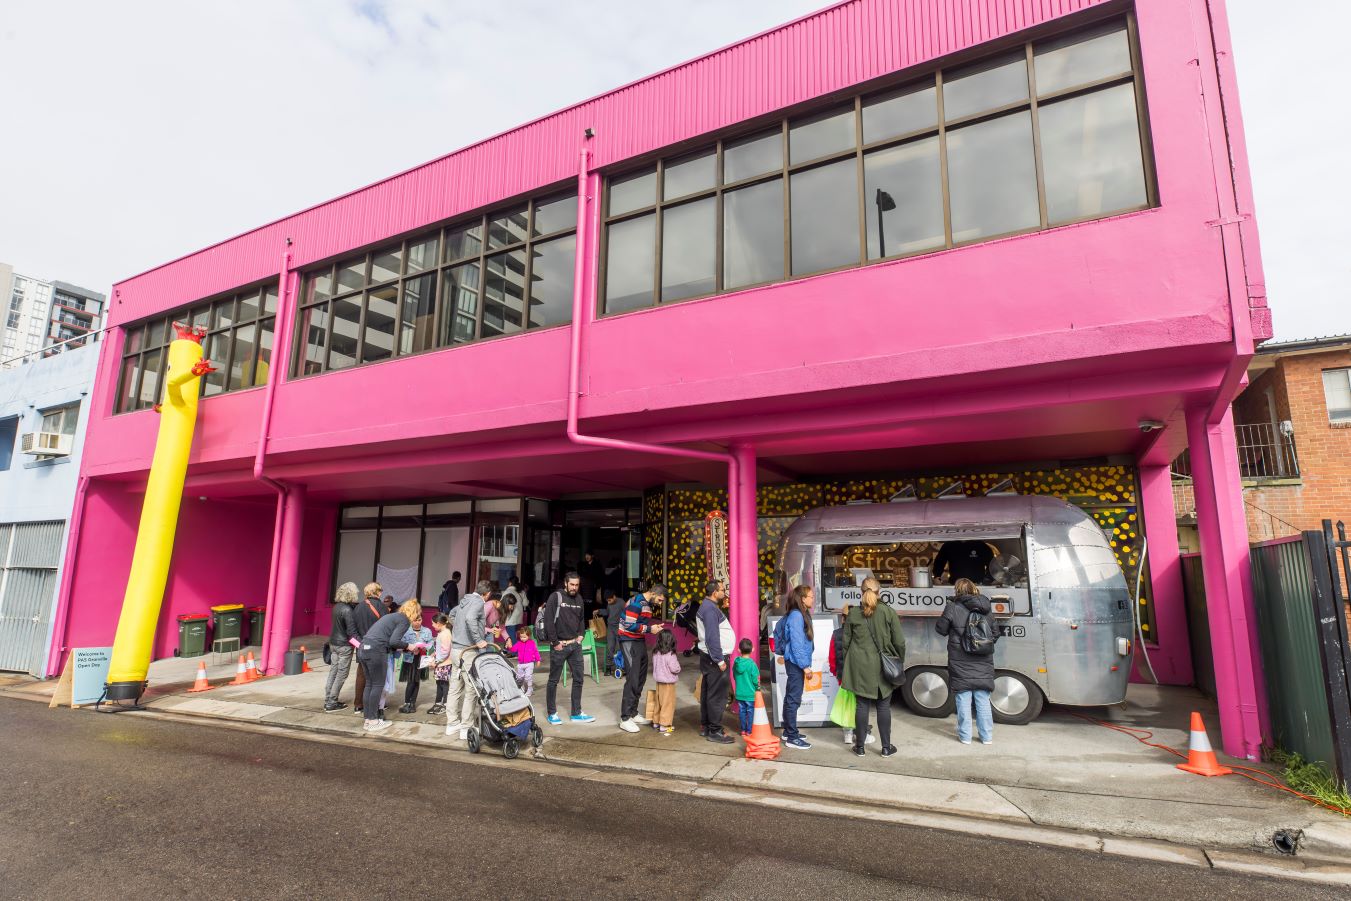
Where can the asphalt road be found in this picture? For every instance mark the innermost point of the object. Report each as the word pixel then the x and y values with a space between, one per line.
pixel 103 806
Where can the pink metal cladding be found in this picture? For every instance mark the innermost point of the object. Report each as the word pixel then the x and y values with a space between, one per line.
pixel 1038 346
pixel 580 318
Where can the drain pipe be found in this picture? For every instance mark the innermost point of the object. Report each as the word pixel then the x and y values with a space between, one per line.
pixel 58 643
pixel 280 351
pixel 580 320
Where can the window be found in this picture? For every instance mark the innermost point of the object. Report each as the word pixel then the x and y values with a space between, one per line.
pixel 499 274
pixel 9 430
pixel 238 343
pixel 61 421
pixel 1040 136
pixel 1337 393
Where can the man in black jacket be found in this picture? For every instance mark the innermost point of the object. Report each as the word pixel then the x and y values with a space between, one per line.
pixel 450 595
pixel 564 623
pixel 340 637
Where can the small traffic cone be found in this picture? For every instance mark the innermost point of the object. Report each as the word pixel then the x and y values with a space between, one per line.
pixel 241 674
pixel 304 661
pixel 201 684
pixel 251 669
pixel 1201 758
pixel 762 743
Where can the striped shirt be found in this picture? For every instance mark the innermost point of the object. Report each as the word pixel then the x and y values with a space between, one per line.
pixel 637 620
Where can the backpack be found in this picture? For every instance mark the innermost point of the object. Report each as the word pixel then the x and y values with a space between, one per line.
pixel 979 636
pixel 543 623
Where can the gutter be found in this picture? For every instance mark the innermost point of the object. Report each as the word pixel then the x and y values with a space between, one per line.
pixel 280 351
pixel 580 322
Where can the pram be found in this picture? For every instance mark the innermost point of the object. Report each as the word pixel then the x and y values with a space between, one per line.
pixel 506 716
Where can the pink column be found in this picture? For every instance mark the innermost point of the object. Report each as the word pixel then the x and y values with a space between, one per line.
pixel 744 534
pixel 1224 561
pixel 288 569
pixel 1169 648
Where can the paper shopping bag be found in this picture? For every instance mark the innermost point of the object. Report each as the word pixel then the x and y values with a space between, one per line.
pixel 651 712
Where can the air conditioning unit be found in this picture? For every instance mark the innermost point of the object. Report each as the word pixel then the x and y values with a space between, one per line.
pixel 45 445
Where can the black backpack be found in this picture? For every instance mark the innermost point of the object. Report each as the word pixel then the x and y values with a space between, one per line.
pixel 979 636
pixel 543 623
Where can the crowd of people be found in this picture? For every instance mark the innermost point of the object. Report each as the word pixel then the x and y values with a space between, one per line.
pixel 391 645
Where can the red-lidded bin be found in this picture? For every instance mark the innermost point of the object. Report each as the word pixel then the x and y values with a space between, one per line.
pixel 192 634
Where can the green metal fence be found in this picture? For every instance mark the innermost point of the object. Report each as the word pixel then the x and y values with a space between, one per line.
pixel 1282 582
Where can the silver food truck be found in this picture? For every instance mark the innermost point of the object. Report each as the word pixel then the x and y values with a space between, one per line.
pixel 1058 593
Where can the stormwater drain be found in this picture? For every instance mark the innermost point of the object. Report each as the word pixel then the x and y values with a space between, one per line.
pixel 1286 840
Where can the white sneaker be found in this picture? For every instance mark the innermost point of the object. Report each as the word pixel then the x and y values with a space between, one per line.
pixel 870 739
pixel 849 736
pixel 377 725
pixel 630 725
pixel 452 726
pixel 641 720
pixel 985 742
pixel 464 734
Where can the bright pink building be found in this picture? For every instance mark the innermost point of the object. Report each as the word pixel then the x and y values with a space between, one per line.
pixel 907 236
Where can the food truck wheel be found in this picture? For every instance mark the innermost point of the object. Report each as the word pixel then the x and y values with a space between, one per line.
pixel 1016 699
pixel 926 691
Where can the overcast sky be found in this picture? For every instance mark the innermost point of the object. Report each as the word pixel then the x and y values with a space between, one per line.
pixel 134 132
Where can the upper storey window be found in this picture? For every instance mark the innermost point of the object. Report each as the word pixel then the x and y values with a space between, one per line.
pixel 1040 135
pixel 496 274
pixel 238 343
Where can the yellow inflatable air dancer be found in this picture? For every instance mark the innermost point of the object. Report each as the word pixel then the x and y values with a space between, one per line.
pixel 159 519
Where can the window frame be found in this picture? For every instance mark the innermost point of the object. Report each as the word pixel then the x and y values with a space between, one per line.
pixel 1335 422
pixel 444 317
pixel 942 125
pixel 154 338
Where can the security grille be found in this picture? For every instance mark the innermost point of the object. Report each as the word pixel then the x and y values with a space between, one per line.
pixel 29 555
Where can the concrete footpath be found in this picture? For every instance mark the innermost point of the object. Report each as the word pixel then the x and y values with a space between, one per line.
pixel 1061 780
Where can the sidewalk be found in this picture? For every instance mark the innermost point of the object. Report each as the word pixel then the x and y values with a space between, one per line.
pixel 1059 771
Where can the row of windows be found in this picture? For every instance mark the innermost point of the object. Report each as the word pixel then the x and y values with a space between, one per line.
pixel 1039 136
pixel 498 274
pixel 1036 137
pixel 238 343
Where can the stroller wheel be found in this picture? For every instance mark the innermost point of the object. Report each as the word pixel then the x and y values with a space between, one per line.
pixel 510 748
pixel 536 736
pixel 475 741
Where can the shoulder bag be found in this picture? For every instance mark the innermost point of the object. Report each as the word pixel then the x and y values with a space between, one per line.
pixel 893 668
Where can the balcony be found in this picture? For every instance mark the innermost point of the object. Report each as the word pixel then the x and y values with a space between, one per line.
pixel 1265 451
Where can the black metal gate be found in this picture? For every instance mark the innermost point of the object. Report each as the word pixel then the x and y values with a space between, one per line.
pixel 1330 583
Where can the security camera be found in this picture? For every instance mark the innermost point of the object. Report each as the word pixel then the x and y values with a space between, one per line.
pixel 1150 425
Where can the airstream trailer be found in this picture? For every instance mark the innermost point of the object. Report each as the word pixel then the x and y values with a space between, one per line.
pixel 1057 591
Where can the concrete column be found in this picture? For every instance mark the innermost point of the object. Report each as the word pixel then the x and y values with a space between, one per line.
pixel 1170 649
pixel 1224 559
pixel 745 588
pixel 288 569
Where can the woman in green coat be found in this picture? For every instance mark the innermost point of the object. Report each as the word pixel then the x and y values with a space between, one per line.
pixel 870 630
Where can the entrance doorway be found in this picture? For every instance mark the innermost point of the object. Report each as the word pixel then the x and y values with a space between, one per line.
pixel 611 530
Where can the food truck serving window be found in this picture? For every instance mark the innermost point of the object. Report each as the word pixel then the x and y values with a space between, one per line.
pixel 916 567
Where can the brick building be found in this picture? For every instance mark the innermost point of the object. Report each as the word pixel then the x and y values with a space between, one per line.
pixel 1293 429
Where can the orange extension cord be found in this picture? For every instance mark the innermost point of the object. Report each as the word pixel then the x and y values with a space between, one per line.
pixel 1143 736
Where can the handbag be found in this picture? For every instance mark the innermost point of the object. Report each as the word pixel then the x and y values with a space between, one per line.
pixel 328 654
pixel 893 668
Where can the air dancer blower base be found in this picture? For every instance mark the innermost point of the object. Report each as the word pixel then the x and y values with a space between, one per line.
pixel 159 519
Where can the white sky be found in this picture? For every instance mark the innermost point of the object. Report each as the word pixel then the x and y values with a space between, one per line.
pixel 134 132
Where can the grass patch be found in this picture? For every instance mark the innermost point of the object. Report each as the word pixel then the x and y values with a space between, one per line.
pixel 1312 779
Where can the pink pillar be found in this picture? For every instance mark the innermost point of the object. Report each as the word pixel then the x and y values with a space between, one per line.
pixel 744 529
pixel 288 569
pixel 1224 561
pixel 1169 648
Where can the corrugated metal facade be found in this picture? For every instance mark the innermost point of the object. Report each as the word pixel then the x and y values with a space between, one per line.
pixel 813 57
pixel 29 556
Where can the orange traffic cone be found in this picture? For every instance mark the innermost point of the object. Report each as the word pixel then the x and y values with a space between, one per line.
pixel 251 669
pixel 1201 758
pixel 304 661
pixel 762 743
pixel 241 674
pixel 201 684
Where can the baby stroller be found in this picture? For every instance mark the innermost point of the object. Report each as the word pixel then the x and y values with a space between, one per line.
pixel 505 716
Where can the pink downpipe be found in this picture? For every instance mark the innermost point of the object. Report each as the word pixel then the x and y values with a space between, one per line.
pixel 580 320
pixel 745 589
pixel 57 647
pixel 280 351
pixel 279 620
